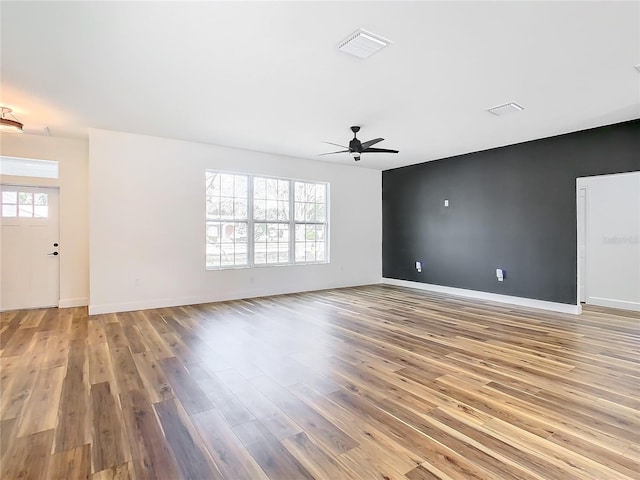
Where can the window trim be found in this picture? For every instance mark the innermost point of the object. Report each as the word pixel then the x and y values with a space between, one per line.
pixel 251 221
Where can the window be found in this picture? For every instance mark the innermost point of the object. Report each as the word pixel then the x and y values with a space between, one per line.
pixel 227 220
pixel 28 167
pixel 24 204
pixel 254 221
pixel 310 221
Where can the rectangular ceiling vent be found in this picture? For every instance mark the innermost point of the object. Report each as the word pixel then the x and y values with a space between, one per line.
pixel 363 44
pixel 510 107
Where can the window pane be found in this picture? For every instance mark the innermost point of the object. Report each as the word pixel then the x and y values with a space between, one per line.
pixel 41 211
pixel 213 260
pixel 226 185
pixel 25 198
pixel 41 199
pixel 299 212
pixel 310 252
pixel 321 190
pixel 320 256
pixel 259 209
pixel 240 186
pixel 259 188
pixel 213 207
pixel 226 208
pixel 300 251
pixel 310 212
pixel 213 183
pixel 25 210
pixel 272 210
pixel 272 188
pixel 320 213
pixel 9 197
pixel 9 210
pixel 299 195
pixel 283 211
pixel 300 231
pixel 310 233
pixel 283 233
pixel 260 232
pixel 310 192
pixel 240 209
pixel 283 190
pixel 28 167
pixel 240 233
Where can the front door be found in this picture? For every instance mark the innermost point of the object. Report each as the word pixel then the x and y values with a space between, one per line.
pixel 29 252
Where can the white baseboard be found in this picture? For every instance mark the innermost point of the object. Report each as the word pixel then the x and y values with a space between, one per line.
pixel 613 303
pixel 73 302
pixel 493 297
pixel 176 302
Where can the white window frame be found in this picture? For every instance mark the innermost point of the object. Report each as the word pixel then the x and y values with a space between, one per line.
pixel 291 222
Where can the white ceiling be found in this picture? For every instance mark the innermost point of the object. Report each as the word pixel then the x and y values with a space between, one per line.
pixel 267 76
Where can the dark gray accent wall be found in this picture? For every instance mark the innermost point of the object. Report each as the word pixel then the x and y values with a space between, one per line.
pixel 512 207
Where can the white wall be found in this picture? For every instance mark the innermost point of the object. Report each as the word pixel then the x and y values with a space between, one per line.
pixel 147 227
pixel 72 156
pixel 613 240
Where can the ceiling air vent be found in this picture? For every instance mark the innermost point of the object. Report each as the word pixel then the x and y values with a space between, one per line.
pixel 363 44
pixel 505 109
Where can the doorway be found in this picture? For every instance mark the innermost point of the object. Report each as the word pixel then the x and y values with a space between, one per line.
pixel 608 253
pixel 29 248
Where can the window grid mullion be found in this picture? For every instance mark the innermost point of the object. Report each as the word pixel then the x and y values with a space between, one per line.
pixel 250 232
pixel 292 222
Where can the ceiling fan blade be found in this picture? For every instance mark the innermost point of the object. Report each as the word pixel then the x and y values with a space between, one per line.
pixel 336 144
pixel 370 143
pixel 379 150
pixel 331 153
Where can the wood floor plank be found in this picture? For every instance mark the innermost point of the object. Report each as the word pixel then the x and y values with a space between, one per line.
pixel 226 449
pixel 73 421
pixel 107 434
pixel 41 410
pixel 119 472
pixel 275 460
pixel 28 457
pixel 149 450
pixel 192 458
pixel 71 464
pixel 100 366
pixel 225 402
pixel 185 387
pixel 16 390
pixel 155 383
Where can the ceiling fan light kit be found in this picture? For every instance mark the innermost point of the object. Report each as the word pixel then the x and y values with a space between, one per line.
pixel 10 125
pixel 356 147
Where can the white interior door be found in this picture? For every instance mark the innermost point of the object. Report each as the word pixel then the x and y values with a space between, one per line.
pixel 613 240
pixel 29 249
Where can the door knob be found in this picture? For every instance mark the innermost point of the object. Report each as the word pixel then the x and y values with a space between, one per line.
pixel 53 253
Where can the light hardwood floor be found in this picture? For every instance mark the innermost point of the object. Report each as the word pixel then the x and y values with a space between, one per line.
pixel 363 383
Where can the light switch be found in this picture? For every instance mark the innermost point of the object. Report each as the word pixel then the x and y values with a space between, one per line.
pixel 446 203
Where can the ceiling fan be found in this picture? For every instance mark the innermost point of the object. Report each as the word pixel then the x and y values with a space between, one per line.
pixel 356 147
